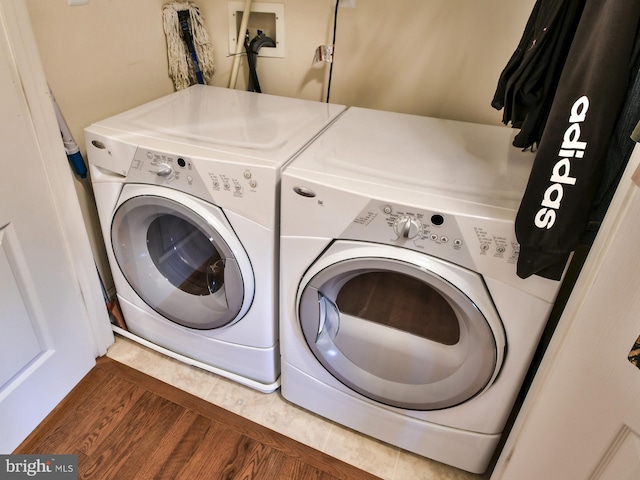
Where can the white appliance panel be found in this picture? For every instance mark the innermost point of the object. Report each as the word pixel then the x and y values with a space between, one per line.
pixel 222 150
pixel 445 190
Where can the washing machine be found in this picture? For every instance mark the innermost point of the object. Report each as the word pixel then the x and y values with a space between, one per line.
pixel 402 316
pixel 187 193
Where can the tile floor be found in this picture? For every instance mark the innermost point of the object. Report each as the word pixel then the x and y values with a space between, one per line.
pixel 272 411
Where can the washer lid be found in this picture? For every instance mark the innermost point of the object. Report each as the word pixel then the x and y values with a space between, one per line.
pixel 181 257
pixel 401 328
pixel 251 124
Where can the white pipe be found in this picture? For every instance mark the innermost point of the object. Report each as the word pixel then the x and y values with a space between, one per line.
pixel 240 44
pixel 261 387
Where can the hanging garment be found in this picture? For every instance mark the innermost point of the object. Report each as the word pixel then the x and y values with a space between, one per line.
pixel 569 162
pixel 620 148
pixel 529 80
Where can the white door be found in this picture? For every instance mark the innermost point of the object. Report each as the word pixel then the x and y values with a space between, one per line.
pixel 46 343
pixel 181 257
pixel 581 419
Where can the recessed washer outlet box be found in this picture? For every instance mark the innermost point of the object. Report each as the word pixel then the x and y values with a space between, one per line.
pixel 268 17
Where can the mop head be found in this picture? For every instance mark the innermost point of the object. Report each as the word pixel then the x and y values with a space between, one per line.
pixel 181 65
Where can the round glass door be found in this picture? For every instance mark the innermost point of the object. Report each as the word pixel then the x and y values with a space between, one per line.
pixel 398 333
pixel 186 265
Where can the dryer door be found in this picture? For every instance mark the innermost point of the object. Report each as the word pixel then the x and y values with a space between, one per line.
pixel 400 327
pixel 181 256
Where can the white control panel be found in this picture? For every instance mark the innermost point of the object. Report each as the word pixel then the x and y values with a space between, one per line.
pixel 234 186
pixel 466 241
pixel 157 168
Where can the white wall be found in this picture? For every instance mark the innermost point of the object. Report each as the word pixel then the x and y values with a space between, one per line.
pixel 438 58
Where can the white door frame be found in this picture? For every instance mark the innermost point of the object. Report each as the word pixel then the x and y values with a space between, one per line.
pixel 520 457
pixel 36 89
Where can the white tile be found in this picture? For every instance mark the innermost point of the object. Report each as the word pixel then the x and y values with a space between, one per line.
pixel 416 467
pixel 191 379
pixel 361 451
pixel 137 356
pixel 239 399
pixel 297 423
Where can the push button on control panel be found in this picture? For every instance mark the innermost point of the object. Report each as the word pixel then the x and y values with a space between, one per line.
pixel 437 219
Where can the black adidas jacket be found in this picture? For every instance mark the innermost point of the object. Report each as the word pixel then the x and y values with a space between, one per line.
pixel 566 173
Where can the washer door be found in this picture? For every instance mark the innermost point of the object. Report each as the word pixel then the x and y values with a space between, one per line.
pixel 400 327
pixel 181 256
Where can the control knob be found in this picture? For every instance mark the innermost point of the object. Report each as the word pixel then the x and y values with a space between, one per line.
pixel 407 227
pixel 164 169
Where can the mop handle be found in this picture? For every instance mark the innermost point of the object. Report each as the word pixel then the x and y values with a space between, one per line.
pixel 188 39
pixel 70 146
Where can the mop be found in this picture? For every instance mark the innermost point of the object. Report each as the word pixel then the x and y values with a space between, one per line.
pixel 189 50
pixel 76 161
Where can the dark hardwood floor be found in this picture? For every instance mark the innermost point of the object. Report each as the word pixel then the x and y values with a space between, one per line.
pixel 124 424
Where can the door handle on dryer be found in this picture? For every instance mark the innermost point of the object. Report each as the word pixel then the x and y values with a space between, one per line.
pixel 329 321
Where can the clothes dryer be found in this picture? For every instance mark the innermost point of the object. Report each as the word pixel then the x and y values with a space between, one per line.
pixel 186 189
pixel 402 316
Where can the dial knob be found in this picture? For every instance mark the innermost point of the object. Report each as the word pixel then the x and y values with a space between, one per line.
pixel 407 227
pixel 164 169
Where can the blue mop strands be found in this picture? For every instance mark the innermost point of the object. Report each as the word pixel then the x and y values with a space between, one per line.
pixel 183 18
pixel 71 147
